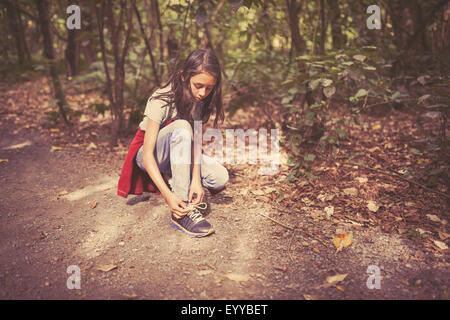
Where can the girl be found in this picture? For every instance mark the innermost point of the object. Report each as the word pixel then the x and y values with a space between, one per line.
pixel 164 144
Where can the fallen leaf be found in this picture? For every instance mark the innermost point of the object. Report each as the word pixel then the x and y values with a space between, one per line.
pixel 258 192
pixel 238 277
pixel 3 160
pixel 342 240
pixel 269 190
pixel 329 211
pixel 306 201
pixel 325 197
pixel 310 297
pixel 359 57
pixel 329 91
pixel 361 180
pixel 316 214
pixel 443 235
pixel 351 191
pixel 93 204
pixel 440 245
pixel 336 278
pixel 376 127
pixel 421 231
pixel 106 267
pixel 54 148
pixel 372 206
pixel 62 193
pixel 130 296
pixel 91 146
pixel 280 268
pixel 433 218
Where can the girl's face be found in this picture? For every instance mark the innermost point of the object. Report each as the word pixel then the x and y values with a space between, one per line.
pixel 201 85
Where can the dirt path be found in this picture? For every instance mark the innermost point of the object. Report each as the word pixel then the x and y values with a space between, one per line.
pixel 49 222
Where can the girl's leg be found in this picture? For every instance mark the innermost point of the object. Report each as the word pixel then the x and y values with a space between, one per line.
pixel 214 175
pixel 173 155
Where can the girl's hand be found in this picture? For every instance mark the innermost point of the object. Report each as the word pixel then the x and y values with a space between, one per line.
pixel 176 206
pixel 196 188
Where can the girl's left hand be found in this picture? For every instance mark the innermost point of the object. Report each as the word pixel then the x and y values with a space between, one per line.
pixel 196 188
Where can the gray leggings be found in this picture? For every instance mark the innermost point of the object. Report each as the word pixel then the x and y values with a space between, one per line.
pixel 173 156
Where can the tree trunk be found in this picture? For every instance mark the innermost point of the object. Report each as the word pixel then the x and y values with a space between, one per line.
pixel 120 51
pixel 15 26
pixel 297 42
pixel 148 46
pixel 42 6
pixel 73 52
pixel 157 16
pixel 335 18
pixel 324 24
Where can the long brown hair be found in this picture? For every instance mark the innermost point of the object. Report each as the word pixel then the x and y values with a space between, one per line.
pixel 198 61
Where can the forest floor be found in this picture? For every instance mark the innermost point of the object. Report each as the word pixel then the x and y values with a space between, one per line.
pixel 274 240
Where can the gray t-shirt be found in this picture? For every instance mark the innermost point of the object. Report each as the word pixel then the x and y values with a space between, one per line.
pixel 160 111
pixel 157 109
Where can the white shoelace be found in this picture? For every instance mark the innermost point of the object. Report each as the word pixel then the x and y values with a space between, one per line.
pixel 194 213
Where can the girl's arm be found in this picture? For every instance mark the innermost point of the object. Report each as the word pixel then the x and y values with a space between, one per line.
pixel 148 159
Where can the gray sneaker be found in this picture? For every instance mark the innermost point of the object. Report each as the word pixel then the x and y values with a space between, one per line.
pixel 193 223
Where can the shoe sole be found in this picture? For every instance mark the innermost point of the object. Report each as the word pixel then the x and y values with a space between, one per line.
pixel 192 234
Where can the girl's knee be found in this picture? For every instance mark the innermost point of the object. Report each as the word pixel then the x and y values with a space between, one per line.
pixel 183 127
pixel 220 178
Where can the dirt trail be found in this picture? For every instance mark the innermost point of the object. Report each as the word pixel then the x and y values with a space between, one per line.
pixel 49 222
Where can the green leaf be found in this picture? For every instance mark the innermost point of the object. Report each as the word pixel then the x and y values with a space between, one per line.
pixel 310 157
pixel 326 82
pixel 415 151
pixel 341 133
pixel 329 91
pixel 314 83
pixel 361 93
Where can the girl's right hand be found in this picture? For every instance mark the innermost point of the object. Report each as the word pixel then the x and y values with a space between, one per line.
pixel 176 206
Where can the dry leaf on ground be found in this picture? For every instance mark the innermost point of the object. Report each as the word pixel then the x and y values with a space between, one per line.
pixel 336 278
pixel 258 192
pixel 238 277
pixel 440 245
pixel 329 211
pixel 443 235
pixel 310 297
pixel 351 191
pixel 342 240
pixel 62 193
pixel 372 205
pixel 107 267
pixel 54 148
pixel 361 180
pixel 433 218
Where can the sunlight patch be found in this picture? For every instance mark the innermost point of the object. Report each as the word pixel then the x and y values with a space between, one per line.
pixel 106 183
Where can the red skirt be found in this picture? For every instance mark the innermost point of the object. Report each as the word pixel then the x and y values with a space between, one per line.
pixel 133 180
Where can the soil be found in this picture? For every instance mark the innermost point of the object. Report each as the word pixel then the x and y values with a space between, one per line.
pixel 59 207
